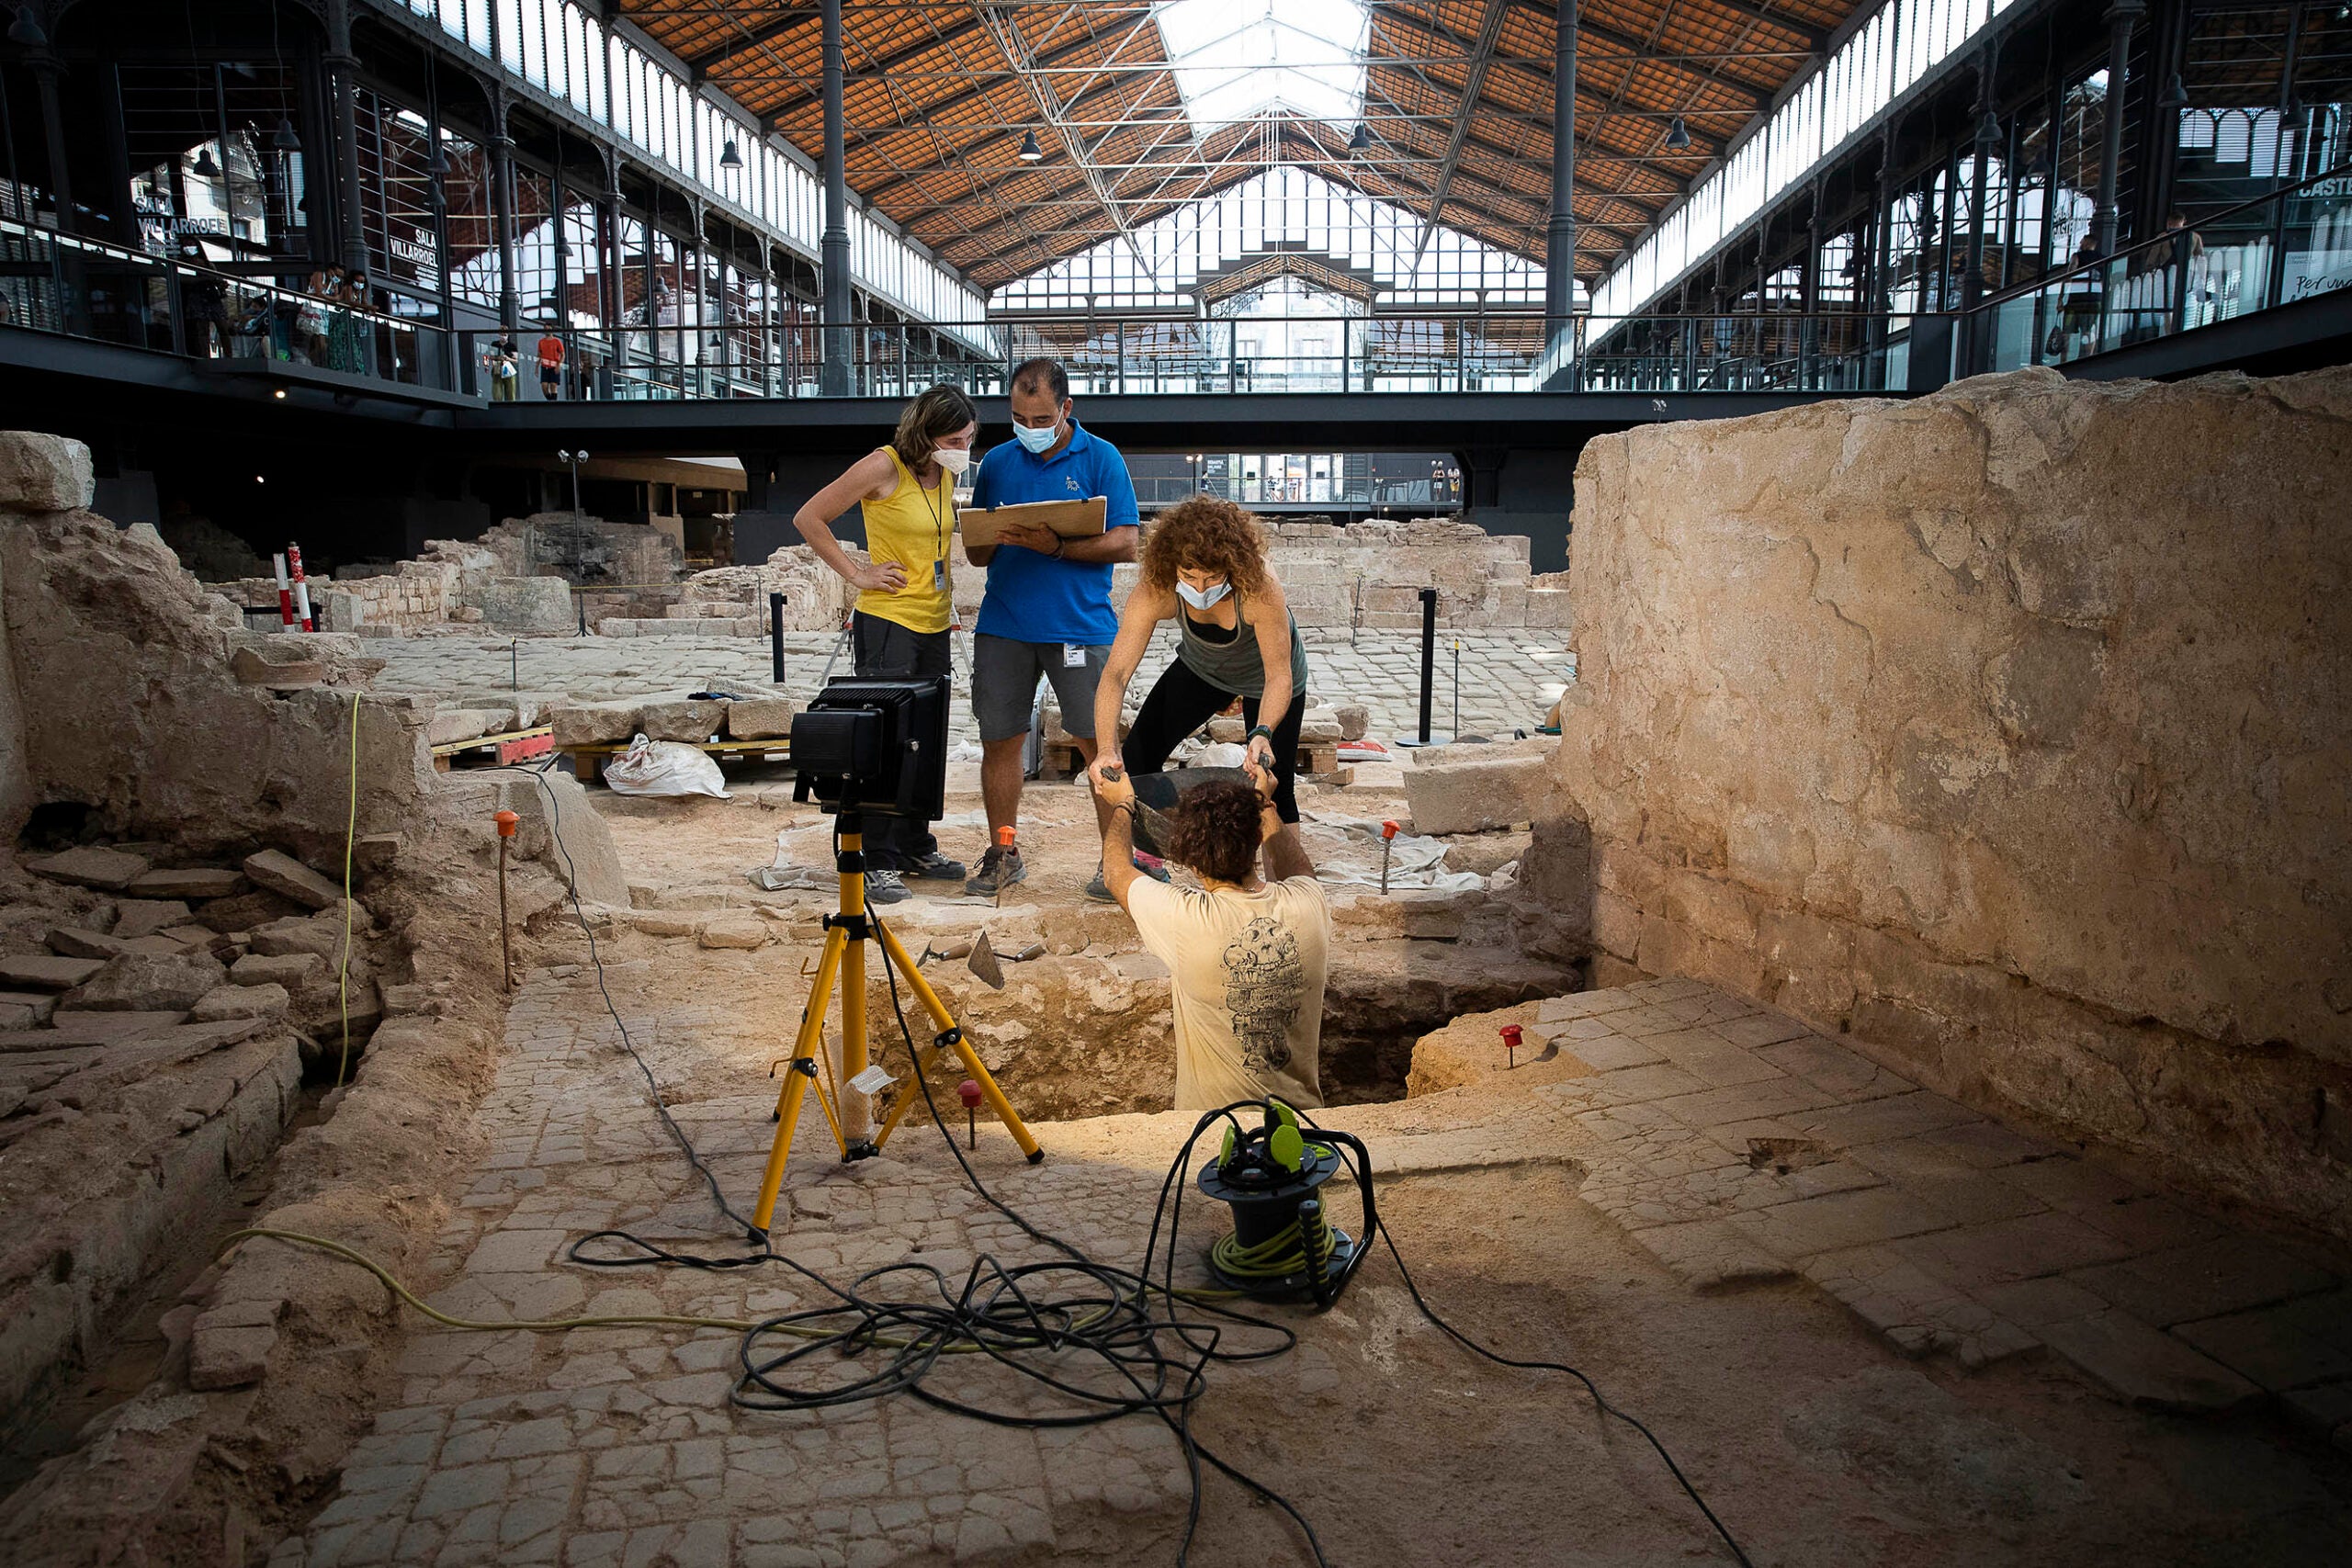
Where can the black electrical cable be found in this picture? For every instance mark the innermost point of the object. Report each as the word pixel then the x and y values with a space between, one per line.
pixel 997 1312
pixel 995 1315
pixel 1599 1399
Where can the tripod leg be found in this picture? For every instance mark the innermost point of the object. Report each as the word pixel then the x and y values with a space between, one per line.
pixel 796 1080
pixel 895 955
pixel 857 1106
pixel 811 1038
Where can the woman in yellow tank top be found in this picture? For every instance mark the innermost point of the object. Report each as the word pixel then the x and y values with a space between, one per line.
pixel 898 630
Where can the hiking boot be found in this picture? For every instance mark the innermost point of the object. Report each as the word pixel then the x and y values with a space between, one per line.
pixel 884 887
pixel 935 867
pixel 999 868
pixel 1100 890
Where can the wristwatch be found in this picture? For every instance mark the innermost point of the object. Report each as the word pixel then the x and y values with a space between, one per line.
pixel 1256 732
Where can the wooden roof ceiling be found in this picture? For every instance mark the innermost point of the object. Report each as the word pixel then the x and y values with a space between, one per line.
pixel 1458 100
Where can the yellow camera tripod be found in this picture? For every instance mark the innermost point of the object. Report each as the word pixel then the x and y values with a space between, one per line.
pixel 844 959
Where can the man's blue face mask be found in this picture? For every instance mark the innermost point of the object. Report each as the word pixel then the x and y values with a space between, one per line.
pixel 1036 438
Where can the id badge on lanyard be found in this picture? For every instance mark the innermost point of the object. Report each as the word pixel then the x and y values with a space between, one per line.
pixel 939 576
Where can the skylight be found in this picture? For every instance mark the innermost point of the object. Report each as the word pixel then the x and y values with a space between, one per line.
pixel 1234 60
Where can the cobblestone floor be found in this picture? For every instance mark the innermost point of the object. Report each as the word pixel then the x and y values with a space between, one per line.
pixel 1509 680
pixel 1734 1146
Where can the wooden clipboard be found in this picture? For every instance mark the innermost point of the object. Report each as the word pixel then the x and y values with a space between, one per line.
pixel 1070 519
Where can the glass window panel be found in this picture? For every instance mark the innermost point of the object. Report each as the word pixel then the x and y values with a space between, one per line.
pixel 531 24
pixel 510 34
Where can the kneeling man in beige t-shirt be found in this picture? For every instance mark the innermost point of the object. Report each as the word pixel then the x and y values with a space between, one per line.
pixel 1247 955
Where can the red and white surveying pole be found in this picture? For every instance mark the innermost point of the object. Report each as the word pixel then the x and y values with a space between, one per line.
pixel 301 588
pixel 285 595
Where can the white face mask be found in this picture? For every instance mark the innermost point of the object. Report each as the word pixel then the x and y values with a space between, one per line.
pixel 955 459
pixel 1202 598
pixel 1035 438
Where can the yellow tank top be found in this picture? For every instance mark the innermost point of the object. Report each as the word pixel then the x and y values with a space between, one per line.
pixel 912 526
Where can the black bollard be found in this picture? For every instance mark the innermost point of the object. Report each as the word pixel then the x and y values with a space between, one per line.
pixel 1428 657
pixel 775 635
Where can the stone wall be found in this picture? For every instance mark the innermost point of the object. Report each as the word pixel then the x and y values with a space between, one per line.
pixel 2006 730
pixel 1372 573
pixel 148 705
pixel 453 582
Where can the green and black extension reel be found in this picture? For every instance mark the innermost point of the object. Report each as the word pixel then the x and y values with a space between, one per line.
pixel 1284 1247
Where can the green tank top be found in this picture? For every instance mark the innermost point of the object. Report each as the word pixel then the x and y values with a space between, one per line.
pixel 1237 666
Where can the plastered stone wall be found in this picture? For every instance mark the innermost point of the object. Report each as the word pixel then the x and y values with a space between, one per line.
pixel 2006 728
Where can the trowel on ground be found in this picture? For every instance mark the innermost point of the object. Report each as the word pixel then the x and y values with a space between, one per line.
pixel 983 964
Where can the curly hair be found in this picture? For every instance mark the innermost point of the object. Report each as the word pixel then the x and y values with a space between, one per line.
pixel 1205 533
pixel 1215 830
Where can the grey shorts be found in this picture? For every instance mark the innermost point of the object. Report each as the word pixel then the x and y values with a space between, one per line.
pixel 1004 685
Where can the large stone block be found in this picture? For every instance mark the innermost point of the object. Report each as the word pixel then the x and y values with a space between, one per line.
pixel 1478 792
pixel 590 724
pixel 526 603
pixel 44 473
pixel 688 721
pixel 760 718
pixel 140 982
pixel 91 866
pixel 568 837
pixel 282 874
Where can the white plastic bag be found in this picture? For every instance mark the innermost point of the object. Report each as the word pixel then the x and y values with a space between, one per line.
pixel 664 767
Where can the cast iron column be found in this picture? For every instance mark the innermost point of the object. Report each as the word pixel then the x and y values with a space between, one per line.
pixel 833 248
pixel 2122 18
pixel 47 72
pixel 343 68
pixel 502 183
pixel 1560 234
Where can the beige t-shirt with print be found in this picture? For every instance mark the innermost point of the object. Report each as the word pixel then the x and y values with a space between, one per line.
pixel 1248 972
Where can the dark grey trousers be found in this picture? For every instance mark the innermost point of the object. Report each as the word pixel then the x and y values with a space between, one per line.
pixel 884 651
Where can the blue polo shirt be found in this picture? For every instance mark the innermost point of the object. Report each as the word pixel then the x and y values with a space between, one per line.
pixel 1035 598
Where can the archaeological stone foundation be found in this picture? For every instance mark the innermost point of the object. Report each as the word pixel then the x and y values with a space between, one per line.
pixel 2005 729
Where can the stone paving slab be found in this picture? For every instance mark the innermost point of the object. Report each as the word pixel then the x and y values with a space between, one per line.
pixel 1739 1147
pixel 1942 1231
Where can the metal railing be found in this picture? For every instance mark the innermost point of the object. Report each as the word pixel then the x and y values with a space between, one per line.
pixel 2294 243
pixel 83 288
pixel 2291 244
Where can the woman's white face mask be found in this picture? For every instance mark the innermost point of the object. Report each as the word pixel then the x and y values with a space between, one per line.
pixel 955 459
pixel 1204 598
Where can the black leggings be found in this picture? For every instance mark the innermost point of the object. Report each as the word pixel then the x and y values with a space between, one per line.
pixel 1180 702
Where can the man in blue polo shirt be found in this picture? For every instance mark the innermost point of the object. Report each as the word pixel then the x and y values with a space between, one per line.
pixel 1047 610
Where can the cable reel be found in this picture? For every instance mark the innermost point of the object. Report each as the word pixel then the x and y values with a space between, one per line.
pixel 1283 1247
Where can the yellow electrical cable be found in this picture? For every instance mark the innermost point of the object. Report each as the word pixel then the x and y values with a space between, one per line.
pixel 350 830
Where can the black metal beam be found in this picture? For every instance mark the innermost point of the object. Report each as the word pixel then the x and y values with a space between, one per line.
pixel 767 32
pixel 878 67
pixel 1369 422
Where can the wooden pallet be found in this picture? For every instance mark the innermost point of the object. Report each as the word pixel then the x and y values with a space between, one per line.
pixel 588 761
pixel 495 750
pixel 1060 760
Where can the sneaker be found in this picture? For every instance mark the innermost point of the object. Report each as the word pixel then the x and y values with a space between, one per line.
pixel 884 887
pixel 999 868
pixel 1149 865
pixel 935 867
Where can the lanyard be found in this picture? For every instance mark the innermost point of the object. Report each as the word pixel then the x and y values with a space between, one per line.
pixel 939 514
